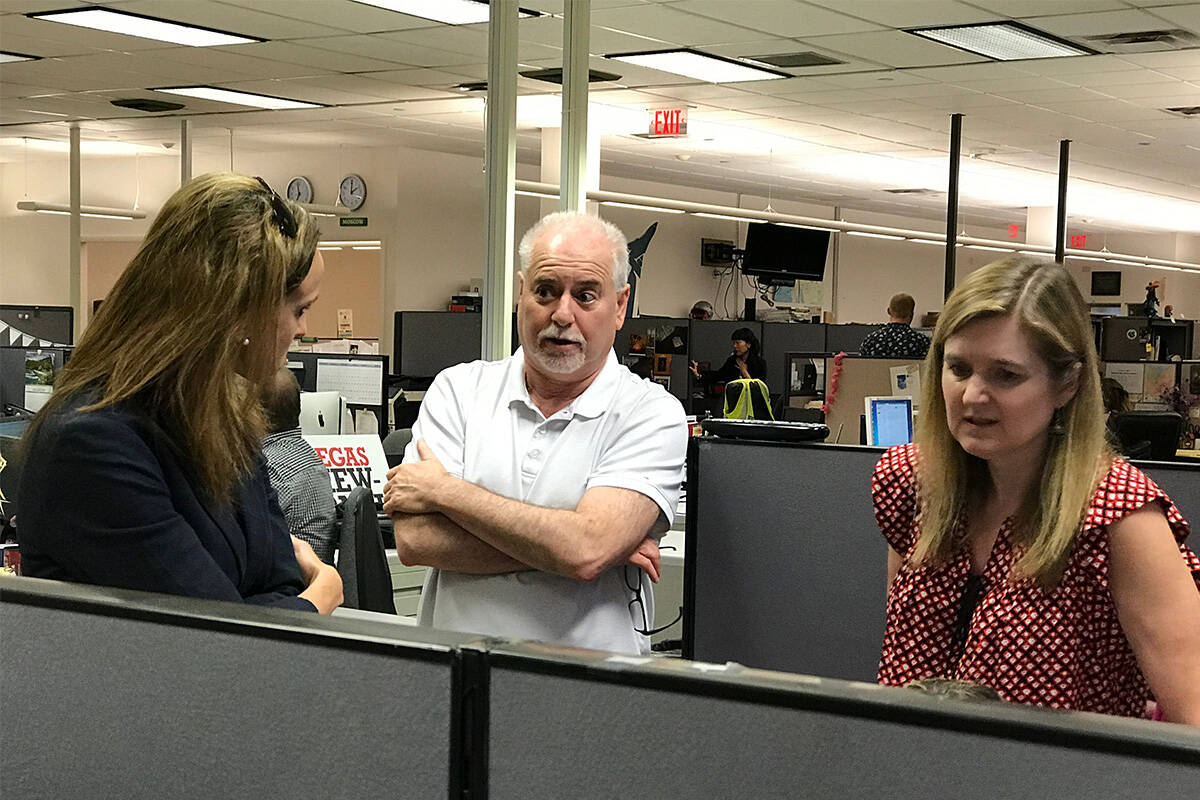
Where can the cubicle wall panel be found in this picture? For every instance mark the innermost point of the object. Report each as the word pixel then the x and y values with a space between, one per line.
pixel 789 570
pixel 846 338
pixel 106 706
pixel 427 342
pixel 1181 482
pixel 554 737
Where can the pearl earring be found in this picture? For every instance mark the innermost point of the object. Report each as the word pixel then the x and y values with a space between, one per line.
pixel 245 341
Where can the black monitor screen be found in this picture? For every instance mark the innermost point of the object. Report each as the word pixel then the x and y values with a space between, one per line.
pixel 782 253
pixel 1106 284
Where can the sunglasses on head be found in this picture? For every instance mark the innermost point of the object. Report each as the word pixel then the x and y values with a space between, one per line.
pixel 282 214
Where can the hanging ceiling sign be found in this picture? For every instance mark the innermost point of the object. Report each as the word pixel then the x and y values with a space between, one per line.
pixel 668 122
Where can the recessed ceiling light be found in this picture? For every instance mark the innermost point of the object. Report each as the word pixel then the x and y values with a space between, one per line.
pixel 701 66
pixel 451 12
pixel 1003 41
pixel 236 98
pixel 7 57
pixel 103 19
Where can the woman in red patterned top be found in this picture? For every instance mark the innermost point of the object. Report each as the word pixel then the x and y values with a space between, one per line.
pixel 1024 555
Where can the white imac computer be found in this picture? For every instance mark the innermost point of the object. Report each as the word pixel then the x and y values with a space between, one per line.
pixel 324 413
pixel 889 420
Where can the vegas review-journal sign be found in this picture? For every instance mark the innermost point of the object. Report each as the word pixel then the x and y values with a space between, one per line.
pixel 352 460
pixel 666 122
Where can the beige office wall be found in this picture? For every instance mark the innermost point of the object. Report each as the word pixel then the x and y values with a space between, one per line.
pixel 102 263
pixel 352 280
pixel 428 211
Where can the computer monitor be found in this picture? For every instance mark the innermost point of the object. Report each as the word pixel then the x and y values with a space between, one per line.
pixel 324 413
pixel 889 420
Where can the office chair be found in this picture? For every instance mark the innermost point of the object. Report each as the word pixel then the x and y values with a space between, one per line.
pixel 1148 434
pixel 366 579
pixel 394 444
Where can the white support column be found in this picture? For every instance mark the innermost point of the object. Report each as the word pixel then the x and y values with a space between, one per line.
pixel 75 233
pixel 185 151
pixel 500 158
pixel 575 156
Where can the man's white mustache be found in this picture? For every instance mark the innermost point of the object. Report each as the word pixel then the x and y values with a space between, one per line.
pixel 553 332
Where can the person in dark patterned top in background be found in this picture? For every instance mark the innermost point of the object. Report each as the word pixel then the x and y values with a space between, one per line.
pixel 1024 555
pixel 897 339
pixel 296 473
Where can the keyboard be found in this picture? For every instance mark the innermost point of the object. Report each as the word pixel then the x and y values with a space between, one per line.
pixel 765 429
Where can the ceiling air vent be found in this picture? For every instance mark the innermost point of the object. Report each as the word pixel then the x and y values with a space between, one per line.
pixel 1144 41
pixel 912 191
pixel 1184 111
pixel 794 60
pixel 555 75
pixel 149 106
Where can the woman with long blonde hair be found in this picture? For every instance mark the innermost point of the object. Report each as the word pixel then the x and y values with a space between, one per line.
pixel 1024 555
pixel 143 470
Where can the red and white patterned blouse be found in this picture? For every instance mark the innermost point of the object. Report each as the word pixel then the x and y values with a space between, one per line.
pixel 1064 648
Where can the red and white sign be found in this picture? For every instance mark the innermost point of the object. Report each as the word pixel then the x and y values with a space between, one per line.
pixel 353 461
pixel 668 122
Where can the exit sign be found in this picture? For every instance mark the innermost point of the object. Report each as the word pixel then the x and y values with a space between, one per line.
pixel 1079 242
pixel 668 122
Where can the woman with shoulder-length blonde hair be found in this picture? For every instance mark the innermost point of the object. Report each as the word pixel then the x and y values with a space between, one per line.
pixel 1024 555
pixel 144 468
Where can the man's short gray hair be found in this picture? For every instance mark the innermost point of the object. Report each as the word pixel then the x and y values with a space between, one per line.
pixel 566 221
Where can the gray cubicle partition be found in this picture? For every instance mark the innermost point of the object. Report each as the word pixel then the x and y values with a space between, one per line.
pixel 678 350
pixel 846 338
pixel 48 323
pixel 426 342
pixel 785 567
pixel 581 724
pixel 781 338
pixel 125 694
pixel 12 371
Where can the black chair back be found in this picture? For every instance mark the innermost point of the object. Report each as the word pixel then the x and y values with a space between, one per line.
pixel 394 444
pixel 362 563
pixel 1161 429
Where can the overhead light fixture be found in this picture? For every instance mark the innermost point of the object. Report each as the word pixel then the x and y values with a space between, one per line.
pixel 639 207
pixel 367 247
pixel 451 12
pixel 237 98
pixel 807 227
pixel 87 211
pixel 994 249
pixel 871 235
pixel 326 248
pixel 162 30
pixel 1086 258
pixel 527 193
pixel 707 215
pixel 938 242
pixel 7 58
pixel 1130 263
pixel 1003 41
pixel 701 66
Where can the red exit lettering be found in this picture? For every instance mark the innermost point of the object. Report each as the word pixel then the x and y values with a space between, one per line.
pixel 1079 242
pixel 667 122
pixel 1014 231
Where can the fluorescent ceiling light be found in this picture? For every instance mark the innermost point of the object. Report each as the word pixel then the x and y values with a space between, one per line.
pixel 994 249
pixel 1130 263
pixel 451 12
pixel 350 243
pixel 366 247
pixel 1033 253
pixel 237 98
pixel 938 242
pixel 806 227
pixel 641 207
pixel 701 66
pixel 103 19
pixel 874 235
pixel 726 216
pixel 86 211
pixel 318 210
pixel 7 57
pixel 1086 258
pixel 323 248
pixel 97 147
pixel 1003 41
pixel 536 194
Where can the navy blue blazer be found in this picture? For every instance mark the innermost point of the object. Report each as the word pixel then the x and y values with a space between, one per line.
pixel 109 497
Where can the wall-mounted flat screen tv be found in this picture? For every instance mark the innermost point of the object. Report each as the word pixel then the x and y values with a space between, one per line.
pixel 1106 284
pixel 782 253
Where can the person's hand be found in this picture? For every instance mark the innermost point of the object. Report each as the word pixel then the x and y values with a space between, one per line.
pixel 648 558
pixel 741 365
pixel 306 557
pixel 414 488
pixel 324 585
pixel 695 368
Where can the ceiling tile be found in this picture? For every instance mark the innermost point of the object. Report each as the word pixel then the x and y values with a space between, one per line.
pixel 246 21
pixel 893 49
pixel 909 13
pixel 789 18
pixel 310 55
pixel 338 15
pixel 669 25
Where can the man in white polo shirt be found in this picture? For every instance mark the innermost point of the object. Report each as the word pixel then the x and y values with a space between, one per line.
pixel 537 486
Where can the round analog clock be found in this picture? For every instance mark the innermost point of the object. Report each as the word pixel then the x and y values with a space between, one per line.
pixel 300 190
pixel 352 192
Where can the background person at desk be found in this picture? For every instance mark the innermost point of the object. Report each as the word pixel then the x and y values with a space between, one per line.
pixel 143 470
pixel 537 486
pixel 896 339
pixel 1042 566
pixel 744 362
pixel 299 478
